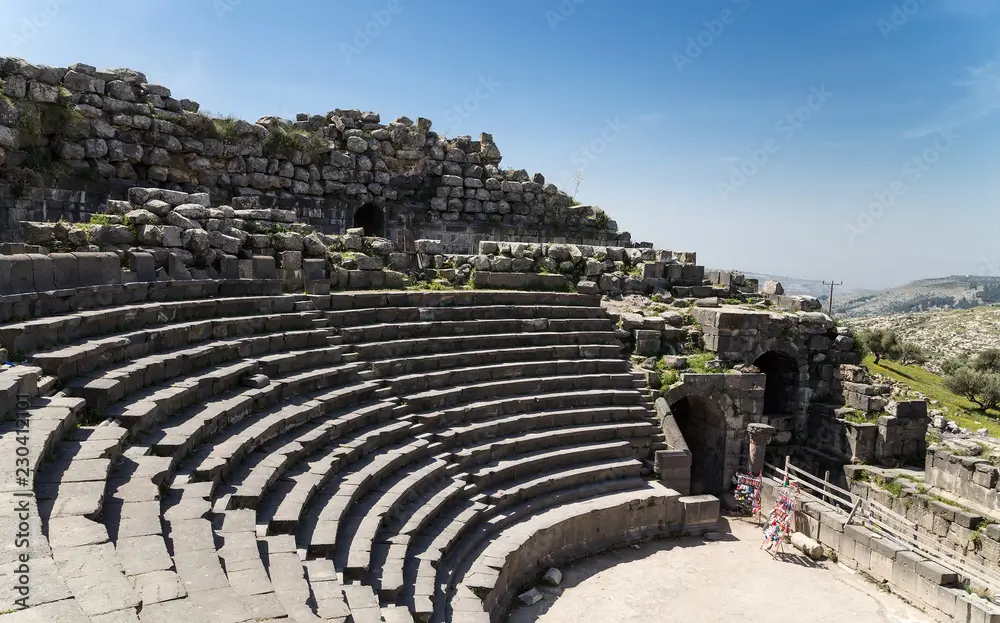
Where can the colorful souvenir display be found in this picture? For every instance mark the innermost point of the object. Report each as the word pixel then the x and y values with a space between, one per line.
pixel 747 492
pixel 780 523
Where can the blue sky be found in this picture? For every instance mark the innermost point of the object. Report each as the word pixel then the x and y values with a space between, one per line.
pixel 854 140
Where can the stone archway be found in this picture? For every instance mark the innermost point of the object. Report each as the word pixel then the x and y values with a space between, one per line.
pixel 782 382
pixel 370 218
pixel 703 425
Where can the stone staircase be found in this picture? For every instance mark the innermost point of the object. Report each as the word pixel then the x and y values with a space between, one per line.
pixel 387 456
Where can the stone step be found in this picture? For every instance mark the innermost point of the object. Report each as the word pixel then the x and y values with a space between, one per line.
pixel 636 434
pixel 79 359
pixel 279 457
pixel 171 444
pixel 101 389
pixel 49 420
pixel 30 336
pixel 508 468
pixel 396 614
pixel 412 520
pixel 414 330
pixel 354 547
pixel 519 423
pixel 385 315
pixel 394 349
pixel 145 408
pixel 363 603
pixel 288 577
pixel 246 571
pixel 293 494
pixel 188 428
pixel 426 381
pixel 331 509
pixel 485 298
pixel 512 405
pixel 531 386
pixel 464 359
pixel 279 364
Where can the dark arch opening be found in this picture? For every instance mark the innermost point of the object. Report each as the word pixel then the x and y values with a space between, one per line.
pixel 703 426
pixel 370 218
pixel 781 386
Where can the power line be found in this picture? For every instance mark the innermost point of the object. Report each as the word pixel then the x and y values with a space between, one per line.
pixel 829 309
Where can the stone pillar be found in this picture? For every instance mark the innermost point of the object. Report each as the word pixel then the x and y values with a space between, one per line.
pixel 760 435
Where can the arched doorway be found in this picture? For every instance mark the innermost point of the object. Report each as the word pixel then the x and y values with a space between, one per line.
pixel 370 218
pixel 782 382
pixel 703 426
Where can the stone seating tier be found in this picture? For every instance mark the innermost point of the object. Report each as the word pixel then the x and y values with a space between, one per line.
pixel 340 457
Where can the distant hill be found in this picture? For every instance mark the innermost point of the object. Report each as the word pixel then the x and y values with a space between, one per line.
pixel 943 334
pixel 943 293
pixel 811 287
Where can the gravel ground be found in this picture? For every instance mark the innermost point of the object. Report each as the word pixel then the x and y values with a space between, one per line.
pixel 692 580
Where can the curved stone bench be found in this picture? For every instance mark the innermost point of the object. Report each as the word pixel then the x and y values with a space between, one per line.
pixel 298 465
pixel 51 329
pixel 70 361
pixel 417 365
pixel 394 349
pixel 438 328
pixel 452 396
pixel 559 535
pixel 416 383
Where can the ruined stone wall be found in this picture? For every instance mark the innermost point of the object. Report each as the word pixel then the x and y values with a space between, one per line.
pixel 87 135
pixel 972 478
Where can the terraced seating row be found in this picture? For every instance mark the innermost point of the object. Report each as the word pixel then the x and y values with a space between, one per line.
pixel 64 316
pixel 349 462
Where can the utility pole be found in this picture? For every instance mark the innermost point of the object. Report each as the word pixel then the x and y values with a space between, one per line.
pixel 829 308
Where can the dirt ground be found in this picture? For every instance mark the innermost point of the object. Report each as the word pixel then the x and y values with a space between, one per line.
pixel 694 581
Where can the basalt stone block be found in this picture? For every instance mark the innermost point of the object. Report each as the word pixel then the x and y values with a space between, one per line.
pixel 319 286
pixel 263 267
pixel 652 270
pixel 65 270
pixel 89 268
pixel 246 269
pixel 314 269
pixel 143 265
pixel 291 260
pixel 42 277
pixel 177 268
pixel 22 277
pixel 111 268
pixel 5 271
pixel 359 279
pixel 229 267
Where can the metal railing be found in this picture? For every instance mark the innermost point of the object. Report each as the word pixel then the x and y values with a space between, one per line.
pixel 889 523
pixel 886 522
pixel 820 490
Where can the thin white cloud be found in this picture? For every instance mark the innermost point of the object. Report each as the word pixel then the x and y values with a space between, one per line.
pixel 980 97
